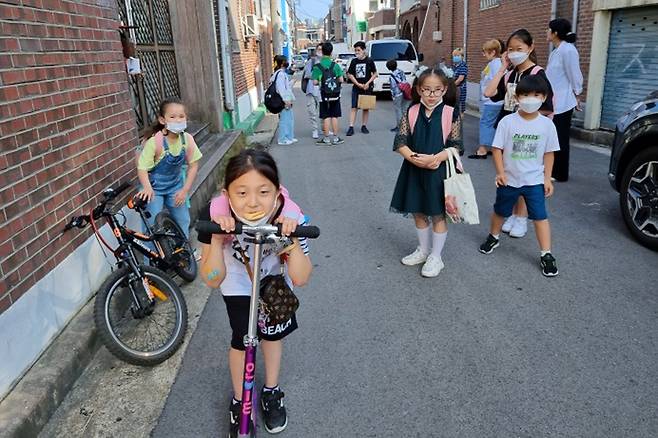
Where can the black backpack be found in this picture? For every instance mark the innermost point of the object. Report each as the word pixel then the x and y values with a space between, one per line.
pixel 329 86
pixel 273 100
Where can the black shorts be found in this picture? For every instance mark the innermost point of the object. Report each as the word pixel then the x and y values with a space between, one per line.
pixel 238 315
pixel 356 92
pixel 330 109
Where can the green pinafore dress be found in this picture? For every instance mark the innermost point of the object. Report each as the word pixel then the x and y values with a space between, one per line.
pixel 418 190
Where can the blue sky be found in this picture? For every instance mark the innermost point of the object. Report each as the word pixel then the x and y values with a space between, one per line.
pixel 312 8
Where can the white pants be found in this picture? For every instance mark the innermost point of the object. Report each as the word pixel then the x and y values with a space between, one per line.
pixel 313 108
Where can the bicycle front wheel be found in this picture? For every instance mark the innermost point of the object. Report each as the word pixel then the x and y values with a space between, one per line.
pixel 134 327
pixel 177 248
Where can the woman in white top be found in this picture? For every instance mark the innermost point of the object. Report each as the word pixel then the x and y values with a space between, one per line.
pixel 563 71
pixel 489 110
pixel 284 88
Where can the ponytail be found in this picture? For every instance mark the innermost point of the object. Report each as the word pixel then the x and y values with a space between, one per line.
pixel 157 126
pixel 562 27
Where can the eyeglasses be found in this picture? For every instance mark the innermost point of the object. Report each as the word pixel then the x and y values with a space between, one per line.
pixel 427 92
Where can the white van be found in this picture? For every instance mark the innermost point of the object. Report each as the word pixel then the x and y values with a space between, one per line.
pixel 403 51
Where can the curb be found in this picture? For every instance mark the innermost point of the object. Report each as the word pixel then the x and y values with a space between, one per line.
pixel 248 125
pixel 30 404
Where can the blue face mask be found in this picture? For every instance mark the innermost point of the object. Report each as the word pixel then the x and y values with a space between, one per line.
pixel 456 59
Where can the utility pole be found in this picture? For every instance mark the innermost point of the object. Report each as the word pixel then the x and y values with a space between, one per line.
pixel 276 26
pixel 294 26
pixel 397 19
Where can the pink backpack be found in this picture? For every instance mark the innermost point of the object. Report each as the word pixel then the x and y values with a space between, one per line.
pixel 536 69
pixel 446 119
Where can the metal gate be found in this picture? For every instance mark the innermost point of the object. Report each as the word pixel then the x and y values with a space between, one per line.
pixel 154 40
pixel 632 61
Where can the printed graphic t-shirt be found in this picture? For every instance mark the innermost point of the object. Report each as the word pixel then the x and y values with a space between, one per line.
pixel 362 69
pixel 524 143
pixel 237 281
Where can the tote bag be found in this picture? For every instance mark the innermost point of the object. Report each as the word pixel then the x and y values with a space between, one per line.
pixel 461 205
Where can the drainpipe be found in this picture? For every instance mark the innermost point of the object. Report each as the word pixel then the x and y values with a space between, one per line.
pixel 229 91
pixel 574 18
pixel 466 28
pixel 553 17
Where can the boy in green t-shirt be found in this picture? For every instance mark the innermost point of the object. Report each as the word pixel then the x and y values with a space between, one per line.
pixel 330 85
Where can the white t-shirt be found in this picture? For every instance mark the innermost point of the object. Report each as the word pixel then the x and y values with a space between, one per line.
pixel 237 281
pixel 524 143
pixel 486 76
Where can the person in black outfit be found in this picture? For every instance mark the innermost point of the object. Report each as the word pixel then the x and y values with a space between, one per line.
pixel 362 72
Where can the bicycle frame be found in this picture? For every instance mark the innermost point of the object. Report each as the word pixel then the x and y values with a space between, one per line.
pixel 251 341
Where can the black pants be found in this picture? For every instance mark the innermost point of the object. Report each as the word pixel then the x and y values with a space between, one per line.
pixel 563 126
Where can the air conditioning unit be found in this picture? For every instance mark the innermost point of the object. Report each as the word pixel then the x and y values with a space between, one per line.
pixel 250 25
pixel 437 35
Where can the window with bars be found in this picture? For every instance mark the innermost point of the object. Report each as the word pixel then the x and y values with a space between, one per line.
pixel 487 4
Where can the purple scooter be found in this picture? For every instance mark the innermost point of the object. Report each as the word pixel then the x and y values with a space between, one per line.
pixel 259 236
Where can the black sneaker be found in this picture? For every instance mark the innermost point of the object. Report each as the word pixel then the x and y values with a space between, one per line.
pixel 489 245
pixel 337 141
pixel 274 413
pixel 324 141
pixel 234 416
pixel 365 130
pixel 394 129
pixel 350 132
pixel 548 265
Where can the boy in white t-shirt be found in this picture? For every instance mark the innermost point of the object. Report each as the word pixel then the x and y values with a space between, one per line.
pixel 523 152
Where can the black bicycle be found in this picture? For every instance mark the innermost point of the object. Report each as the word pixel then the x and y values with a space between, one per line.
pixel 140 311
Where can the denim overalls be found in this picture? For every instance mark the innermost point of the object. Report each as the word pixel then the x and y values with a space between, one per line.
pixel 167 179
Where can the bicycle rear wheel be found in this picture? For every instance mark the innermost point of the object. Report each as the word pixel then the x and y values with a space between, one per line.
pixel 146 335
pixel 177 248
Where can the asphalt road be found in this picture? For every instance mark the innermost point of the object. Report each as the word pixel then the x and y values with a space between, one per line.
pixel 490 348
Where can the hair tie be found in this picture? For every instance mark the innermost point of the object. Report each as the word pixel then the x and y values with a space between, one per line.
pixel 570 33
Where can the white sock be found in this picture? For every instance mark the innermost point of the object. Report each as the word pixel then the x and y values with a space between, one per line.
pixel 543 253
pixel 522 218
pixel 438 240
pixel 424 239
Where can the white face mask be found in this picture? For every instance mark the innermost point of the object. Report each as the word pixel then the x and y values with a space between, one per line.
pixel 176 127
pixel 431 107
pixel 264 219
pixel 517 58
pixel 530 104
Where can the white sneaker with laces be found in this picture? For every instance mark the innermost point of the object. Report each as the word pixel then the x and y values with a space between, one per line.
pixel 294 140
pixel 284 143
pixel 415 258
pixel 316 134
pixel 520 227
pixel 509 223
pixel 432 267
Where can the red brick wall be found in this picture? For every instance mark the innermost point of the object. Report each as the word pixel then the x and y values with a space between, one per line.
pixel 67 129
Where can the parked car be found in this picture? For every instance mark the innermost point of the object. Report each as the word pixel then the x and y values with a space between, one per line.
pixel 403 51
pixel 298 62
pixel 634 169
pixel 344 59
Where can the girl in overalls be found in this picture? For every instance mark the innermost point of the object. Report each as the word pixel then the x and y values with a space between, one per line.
pixel 160 164
pixel 430 127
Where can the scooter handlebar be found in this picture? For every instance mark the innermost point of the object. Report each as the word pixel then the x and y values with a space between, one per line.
pixel 208 227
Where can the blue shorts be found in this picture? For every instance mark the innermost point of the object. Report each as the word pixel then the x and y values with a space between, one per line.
pixel 507 196
pixel 488 117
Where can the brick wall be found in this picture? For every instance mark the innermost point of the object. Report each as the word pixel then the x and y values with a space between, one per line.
pixel 67 129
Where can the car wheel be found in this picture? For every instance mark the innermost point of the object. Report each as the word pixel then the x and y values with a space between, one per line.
pixel 638 197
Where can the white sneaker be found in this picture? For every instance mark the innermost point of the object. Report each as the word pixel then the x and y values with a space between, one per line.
pixel 509 223
pixel 432 267
pixel 415 258
pixel 294 140
pixel 284 143
pixel 520 227
pixel 316 134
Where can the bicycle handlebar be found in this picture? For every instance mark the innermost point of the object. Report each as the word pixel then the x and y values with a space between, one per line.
pixel 308 231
